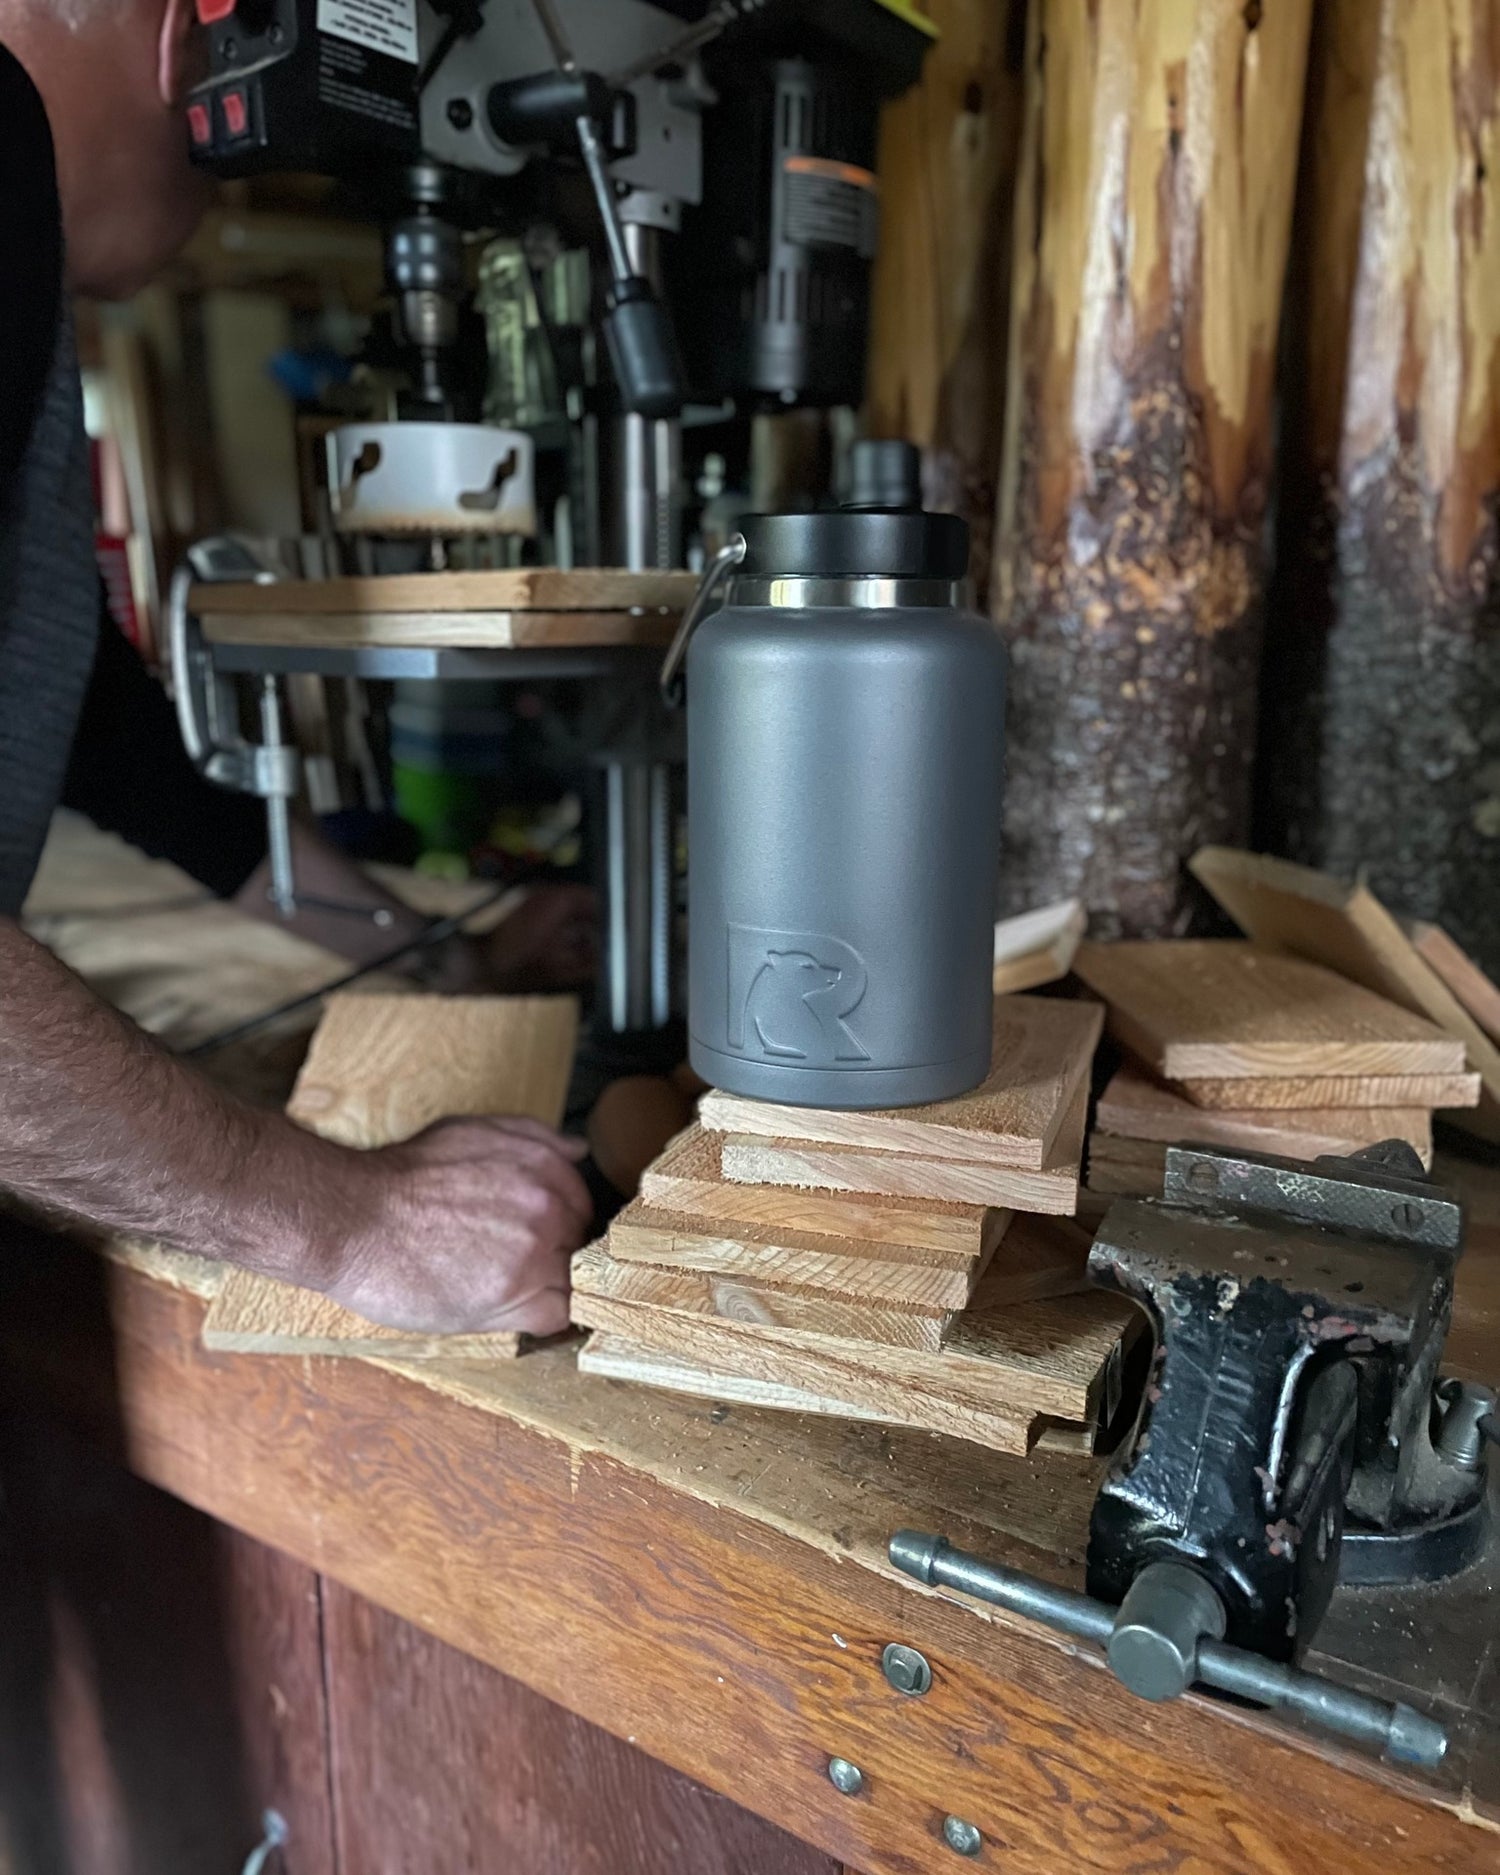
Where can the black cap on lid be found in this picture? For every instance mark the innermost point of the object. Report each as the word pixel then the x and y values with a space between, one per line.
pixel 883 533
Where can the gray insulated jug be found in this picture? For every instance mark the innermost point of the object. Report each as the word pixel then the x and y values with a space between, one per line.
pixel 845 714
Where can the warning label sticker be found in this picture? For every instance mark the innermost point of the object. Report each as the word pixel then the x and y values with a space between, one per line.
pixel 388 26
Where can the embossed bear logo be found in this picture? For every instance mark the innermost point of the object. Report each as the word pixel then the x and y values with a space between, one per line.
pixel 791 993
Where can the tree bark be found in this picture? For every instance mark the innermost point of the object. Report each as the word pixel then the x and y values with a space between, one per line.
pixel 948 154
pixel 1154 204
pixel 1381 734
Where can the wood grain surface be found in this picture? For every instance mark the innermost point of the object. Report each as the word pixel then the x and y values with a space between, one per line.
pixel 1308 914
pixel 689 1177
pixel 1227 1010
pixel 1263 1092
pixel 1458 970
pixel 1037 947
pixel 839 1268
pixel 1135 1106
pixel 440 631
pixel 1153 205
pixel 1018 1359
pixel 718 1298
pixel 1041 1053
pixel 442 1766
pixel 1054 1190
pixel 514 589
pixel 710 1582
pixel 380 1069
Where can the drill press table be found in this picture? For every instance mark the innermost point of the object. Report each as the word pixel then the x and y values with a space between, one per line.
pixel 710 1584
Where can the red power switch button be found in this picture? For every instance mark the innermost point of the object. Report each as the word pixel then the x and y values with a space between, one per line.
pixel 236 113
pixel 200 126
pixel 210 12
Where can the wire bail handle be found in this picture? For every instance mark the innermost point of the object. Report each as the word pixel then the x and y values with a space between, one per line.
pixel 672 671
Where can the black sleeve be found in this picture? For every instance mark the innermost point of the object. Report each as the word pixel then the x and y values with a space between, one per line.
pixel 30 261
pixel 130 774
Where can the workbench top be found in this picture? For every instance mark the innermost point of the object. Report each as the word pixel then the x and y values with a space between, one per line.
pixel 710 1582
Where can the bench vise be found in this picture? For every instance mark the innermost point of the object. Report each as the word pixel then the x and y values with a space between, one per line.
pixel 1293 1432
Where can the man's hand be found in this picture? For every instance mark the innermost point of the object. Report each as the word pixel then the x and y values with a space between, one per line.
pixel 468 1226
pixel 472 1227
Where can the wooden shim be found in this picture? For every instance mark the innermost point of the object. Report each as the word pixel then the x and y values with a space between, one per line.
pixel 1308 914
pixel 1056 1358
pixel 1225 1010
pixel 1037 947
pixel 613 1357
pixel 1266 1093
pixel 515 589
pixel 834 1267
pixel 689 1177
pixel 731 1298
pixel 441 631
pixel 1053 1190
pixel 1460 973
pixel 383 1067
pixel 1041 1052
pixel 1133 1106
pixel 770 1376
pixel 380 1069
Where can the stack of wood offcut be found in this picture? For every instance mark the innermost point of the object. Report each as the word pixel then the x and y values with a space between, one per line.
pixel 916 1266
pixel 1331 1027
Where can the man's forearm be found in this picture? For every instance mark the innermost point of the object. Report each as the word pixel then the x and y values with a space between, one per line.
pixel 98 1121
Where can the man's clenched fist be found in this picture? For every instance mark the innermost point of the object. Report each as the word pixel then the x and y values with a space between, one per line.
pixel 470 1230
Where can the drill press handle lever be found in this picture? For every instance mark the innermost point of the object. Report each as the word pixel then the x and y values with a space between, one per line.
pixel 1165 1636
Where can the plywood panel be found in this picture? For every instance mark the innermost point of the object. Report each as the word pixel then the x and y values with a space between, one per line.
pixel 514 589
pixel 445 1767
pixel 1226 1010
pixel 1041 1054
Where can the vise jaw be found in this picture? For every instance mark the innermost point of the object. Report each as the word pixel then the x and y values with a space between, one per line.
pixel 1293 1418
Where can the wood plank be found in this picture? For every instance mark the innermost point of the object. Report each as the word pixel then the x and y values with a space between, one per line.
pixel 730 1298
pixel 1266 1092
pixel 788 1364
pixel 1459 972
pixel 614 1357
pixel 1308 914
pixel 1038 1257
pixel 161 1681
pixel 1018 1359
pixel 689 1177
pixel 1223 1010
pixel 712 1584
pixel 380 1069
pixel 1041 1053
pixel 440 631
pixel 1053 1190
pixel 510 589
pixel 1134 1106
pixel 842 1269
pixel 443 1766
pixel 1037 947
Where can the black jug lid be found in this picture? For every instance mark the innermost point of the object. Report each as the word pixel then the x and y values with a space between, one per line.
pixel 882 531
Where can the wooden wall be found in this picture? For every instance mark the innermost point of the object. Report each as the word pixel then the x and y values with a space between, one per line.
pixel 164 1681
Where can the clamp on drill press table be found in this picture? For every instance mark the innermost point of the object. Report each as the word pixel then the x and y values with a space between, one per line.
pixel 1293 1434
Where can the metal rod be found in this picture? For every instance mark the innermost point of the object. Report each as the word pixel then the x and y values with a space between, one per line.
pixel 278 807
pixel 1393 1728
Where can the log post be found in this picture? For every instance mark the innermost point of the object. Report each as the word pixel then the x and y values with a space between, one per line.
pixel 1380 745
pixel 948 152
pixel 1154 203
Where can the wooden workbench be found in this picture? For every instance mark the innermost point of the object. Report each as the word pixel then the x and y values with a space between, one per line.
pixel 708 1584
